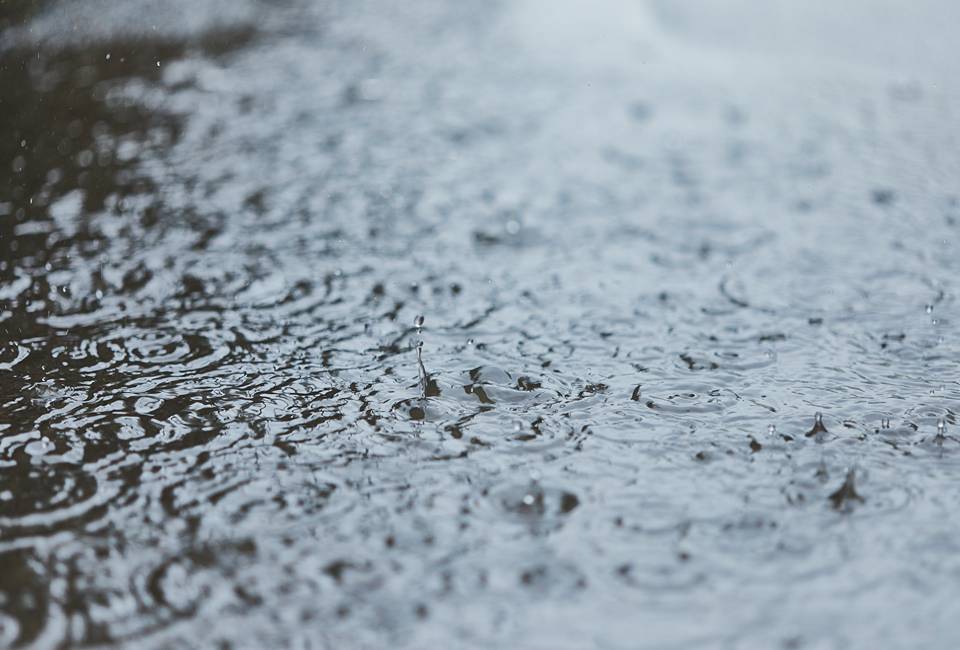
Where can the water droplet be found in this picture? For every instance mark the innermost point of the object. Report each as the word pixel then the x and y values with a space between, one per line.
pixel 107 57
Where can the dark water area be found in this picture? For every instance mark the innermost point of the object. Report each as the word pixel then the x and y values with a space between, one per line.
pixel 523 325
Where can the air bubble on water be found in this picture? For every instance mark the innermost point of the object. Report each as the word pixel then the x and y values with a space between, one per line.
pixel 39 447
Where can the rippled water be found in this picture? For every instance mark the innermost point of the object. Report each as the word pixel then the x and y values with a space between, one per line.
pixel 471 325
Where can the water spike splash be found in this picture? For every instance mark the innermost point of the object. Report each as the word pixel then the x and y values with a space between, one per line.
pixel 844 497
pixel 422 372
pixel 941 436
pixel 819 429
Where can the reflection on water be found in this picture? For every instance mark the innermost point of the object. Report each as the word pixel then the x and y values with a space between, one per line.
pixel 351 325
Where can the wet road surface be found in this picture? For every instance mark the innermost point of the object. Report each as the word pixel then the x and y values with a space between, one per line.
pixel 479 325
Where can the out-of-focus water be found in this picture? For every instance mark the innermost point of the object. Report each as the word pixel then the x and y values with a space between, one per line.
pixel 648 243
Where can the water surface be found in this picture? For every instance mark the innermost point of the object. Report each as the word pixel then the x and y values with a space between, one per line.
pixel 479 325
